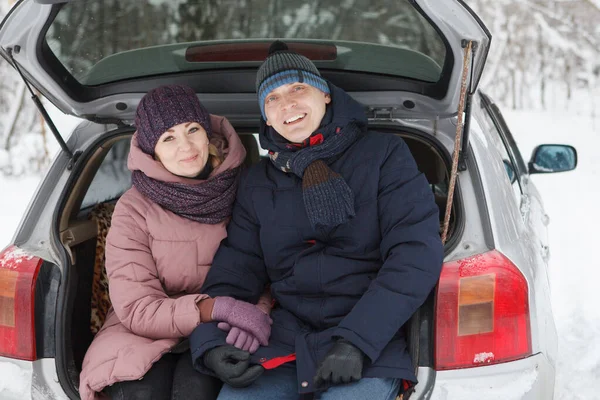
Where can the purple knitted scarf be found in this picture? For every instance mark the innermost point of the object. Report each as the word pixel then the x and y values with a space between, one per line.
pixel 208 202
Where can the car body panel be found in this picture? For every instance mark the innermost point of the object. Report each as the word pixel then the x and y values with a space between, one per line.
pixel 457 23
pixel 529 379
pixel 517 239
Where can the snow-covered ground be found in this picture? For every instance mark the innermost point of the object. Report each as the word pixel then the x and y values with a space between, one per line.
pixel 570 200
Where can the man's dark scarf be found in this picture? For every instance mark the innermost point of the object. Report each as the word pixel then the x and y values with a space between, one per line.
pixel 328 199
pixel 209 201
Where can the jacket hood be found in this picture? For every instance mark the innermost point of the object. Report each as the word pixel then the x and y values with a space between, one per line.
pixel 343 108
pixel 223 136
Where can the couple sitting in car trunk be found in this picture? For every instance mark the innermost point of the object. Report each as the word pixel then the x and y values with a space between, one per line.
pixel 298 285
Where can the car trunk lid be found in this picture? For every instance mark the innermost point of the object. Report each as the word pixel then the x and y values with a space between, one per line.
pixel 94 60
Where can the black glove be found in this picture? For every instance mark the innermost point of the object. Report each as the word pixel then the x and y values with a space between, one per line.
pixel 232 366
pixel 342 364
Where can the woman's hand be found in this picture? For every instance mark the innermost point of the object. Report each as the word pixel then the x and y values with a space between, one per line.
pixel 245 316
pixel 239 338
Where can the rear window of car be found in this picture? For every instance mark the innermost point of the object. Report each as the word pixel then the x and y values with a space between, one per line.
pixel 106 41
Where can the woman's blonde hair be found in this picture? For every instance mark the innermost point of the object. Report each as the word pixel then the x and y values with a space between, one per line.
pixel 215 155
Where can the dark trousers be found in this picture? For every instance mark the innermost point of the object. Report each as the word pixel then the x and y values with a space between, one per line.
pixel 171 378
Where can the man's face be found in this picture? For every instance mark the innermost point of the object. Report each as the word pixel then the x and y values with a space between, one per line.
pixel 295 110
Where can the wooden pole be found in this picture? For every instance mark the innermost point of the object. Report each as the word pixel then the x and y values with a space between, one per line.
pixel 457 140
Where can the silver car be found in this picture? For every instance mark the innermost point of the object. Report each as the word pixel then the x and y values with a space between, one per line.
pixel 486 331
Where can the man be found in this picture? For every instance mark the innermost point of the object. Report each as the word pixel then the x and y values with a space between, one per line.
pixel 345 229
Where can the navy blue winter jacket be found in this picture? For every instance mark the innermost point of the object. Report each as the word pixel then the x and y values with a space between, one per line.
pixel 360 281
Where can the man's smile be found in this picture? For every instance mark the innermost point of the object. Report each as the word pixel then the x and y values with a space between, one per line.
pixel 295 118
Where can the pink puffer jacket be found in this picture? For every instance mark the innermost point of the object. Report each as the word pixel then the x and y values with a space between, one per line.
pixel 156 262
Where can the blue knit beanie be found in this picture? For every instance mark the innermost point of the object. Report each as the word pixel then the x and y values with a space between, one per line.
pixel 283 66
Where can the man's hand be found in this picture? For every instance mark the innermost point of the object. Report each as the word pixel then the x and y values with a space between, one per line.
pixel 342 364
pixel 232 366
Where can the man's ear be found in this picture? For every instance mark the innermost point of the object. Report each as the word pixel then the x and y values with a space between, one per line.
pixel 327 98
pixel 268 123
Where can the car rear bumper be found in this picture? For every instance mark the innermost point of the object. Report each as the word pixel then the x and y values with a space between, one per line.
pixel 20 380
pixel 528 379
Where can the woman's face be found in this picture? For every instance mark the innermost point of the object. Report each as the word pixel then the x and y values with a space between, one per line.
pixel 183 149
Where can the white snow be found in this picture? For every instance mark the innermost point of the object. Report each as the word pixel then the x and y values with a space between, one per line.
pixel 14 382
pixel 12 257
pixel 17 192
pixel 571 199
pixel 483 358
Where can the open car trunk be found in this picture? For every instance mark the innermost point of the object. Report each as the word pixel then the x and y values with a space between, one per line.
pixel 102 177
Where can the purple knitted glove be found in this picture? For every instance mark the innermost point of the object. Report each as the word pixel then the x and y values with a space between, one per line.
pixel 244 316
pixel 239 338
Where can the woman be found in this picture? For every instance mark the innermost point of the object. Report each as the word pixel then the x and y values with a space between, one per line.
pixel 165 232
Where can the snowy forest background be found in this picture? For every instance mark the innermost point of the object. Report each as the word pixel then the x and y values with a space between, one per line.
pixel 544 54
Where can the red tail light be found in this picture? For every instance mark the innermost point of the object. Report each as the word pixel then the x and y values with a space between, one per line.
pixel 18 273
pixel 482 313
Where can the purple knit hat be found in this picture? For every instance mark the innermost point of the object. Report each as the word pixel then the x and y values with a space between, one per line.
pixel 164 107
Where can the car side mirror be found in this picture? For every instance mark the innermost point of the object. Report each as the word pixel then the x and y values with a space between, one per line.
pixel 549 158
